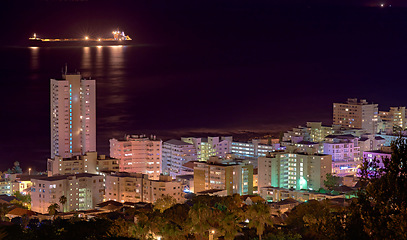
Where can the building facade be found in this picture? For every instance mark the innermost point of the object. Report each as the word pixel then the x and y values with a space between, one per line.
pixel 342 147
pixel 73 116
pixel 379 155
pixel 82 191
pixel 210 146
pixel 356 114
pixel 223 174
pixel 138 154
pixel 175 154
pixel 90 162
pixel 253 149
pixel 393 121
pixel 137 187
pixel 294 170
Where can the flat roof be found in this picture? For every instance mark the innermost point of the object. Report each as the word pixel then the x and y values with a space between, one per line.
pixel 62 177
pixel 177 142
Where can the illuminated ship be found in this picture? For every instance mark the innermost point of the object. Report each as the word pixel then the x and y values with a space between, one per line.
pixel 119 38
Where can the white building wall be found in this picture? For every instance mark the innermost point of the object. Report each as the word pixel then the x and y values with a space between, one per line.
pixel 73 116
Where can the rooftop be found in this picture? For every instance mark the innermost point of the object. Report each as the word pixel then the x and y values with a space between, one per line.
pixel 307 143
pixel 211 191
pixel 177 142
pixel 344 136
pixel 62 177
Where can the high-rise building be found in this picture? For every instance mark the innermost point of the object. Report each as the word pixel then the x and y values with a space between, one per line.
pixel 73 115
pixel 356 114
pixel 138 154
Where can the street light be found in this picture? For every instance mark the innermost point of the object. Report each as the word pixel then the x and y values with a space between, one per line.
pixel 211 233
pixel 29 171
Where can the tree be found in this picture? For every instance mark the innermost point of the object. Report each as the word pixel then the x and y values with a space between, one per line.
pixel 259 216
pixel 23 201
pixel 317 220
pixel 53 209
pixel 201 218
pixel 381 204
pixel 62 201
pixel 164 203
pixel 4 209
pixel 331 181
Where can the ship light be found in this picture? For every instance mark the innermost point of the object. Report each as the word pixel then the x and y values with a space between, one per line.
pixel 86 38
pixel 99 39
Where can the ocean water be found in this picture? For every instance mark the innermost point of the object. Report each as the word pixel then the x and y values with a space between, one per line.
pixel 197 71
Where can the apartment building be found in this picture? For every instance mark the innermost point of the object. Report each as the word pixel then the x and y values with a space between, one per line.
pixel 137 187
pixel 83 191
pixel 223 174
pixel 253 149
pixel 210 146
pixel 73 115
pixel 393 121
pixel 138 154
pixel 175 154
pixel 356 114
pixel 379 155
pixel 342 147
pixel 90 162
pixel 294 170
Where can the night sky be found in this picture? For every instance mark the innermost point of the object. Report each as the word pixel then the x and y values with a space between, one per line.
pixel 200 67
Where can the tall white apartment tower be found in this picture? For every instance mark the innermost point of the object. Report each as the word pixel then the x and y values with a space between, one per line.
pixel 73 115
pixel 354 114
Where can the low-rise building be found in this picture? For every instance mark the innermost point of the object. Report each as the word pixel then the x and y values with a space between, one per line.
pixel 276 194
pixel 229 174
pixel 379 155
pixel 82 191
pixel 137 187
pixel 90 162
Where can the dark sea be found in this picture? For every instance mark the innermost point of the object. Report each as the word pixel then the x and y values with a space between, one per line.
pixel 197 68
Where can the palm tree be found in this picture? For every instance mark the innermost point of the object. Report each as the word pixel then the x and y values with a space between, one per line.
pixel 62 201
pixel 259 216
pixel 53 209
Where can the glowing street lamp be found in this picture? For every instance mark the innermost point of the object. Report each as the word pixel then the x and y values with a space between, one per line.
pixel 29 171
pixel 211 234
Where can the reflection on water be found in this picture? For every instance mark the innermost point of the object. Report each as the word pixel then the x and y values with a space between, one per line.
pixel 34 60
pixel 106 61
pixel 86 58
pixel 99 57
